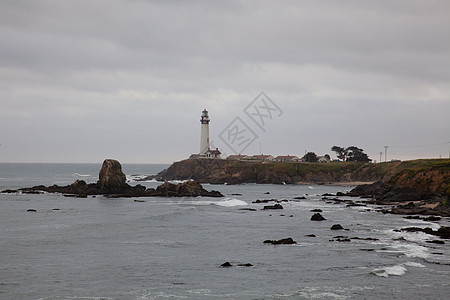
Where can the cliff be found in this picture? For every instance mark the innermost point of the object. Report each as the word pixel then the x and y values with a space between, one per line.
pixel 424 185
pixel 236 172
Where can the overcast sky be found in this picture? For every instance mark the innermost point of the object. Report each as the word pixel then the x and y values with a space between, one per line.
pixel 81 81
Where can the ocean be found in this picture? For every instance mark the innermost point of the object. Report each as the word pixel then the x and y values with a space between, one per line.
pixel 173 248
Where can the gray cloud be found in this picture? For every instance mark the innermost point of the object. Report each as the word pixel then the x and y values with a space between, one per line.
pixel 83 80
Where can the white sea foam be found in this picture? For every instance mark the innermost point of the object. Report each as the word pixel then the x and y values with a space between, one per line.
pixel 409 236
pixel 397 270
pixel 414 264
pixel 82 175
pixel 178 181
pixel 412 250
pixel 231 202
pixel 228 202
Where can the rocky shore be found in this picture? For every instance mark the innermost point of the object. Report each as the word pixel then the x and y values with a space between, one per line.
pixel 411 187
pixel 415 190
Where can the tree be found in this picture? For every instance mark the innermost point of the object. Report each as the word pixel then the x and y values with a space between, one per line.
pixel 340 152
pixel 310 157
pixel 351 153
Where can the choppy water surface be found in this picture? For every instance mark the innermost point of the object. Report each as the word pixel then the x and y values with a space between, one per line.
pixel 98 248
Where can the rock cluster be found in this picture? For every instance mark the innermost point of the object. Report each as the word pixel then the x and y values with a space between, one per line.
pixel 112 183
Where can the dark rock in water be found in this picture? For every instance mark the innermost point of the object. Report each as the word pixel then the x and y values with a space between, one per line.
pixel 436 242
pixel 432 219
pixel 427 230
pixel 31 192
pixel 412 217
pixel 267 193
pixel 245 265
pixel 317 217
pixel 300 198
pixel 443 232
pixel 340 194
pixel 328 195
pixel 246 208
pixel 266 201
pixel 429 219
pixel 286 241
pixel 276 206
pixel 31 210
pixel 310 235
pixel 364 239
pixel 226 265
pixel 337 227
pixel 316 210
pixel 189 188
pixel 9 191
pixel 344 240
pixel 235 194
pixel 136 200
pixel 111 177
pixel 368 250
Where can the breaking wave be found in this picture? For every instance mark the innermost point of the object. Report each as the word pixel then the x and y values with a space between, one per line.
pixel 396 270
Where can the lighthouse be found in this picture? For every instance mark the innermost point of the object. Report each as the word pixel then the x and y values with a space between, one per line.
pixel 204 138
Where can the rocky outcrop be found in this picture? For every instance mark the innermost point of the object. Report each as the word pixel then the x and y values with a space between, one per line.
pixel 111 179
pixel 417 187
pixel 112 184
pixel 185 189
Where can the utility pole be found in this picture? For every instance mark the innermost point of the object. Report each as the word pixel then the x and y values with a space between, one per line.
pixel 385 153
pixel 381 153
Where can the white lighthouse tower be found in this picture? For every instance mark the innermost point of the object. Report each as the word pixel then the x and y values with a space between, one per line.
pixel 204 138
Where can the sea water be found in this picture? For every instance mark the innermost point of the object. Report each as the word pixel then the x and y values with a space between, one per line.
pixel 172 248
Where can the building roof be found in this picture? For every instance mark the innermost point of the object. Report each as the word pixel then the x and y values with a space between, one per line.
pixel 214 151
